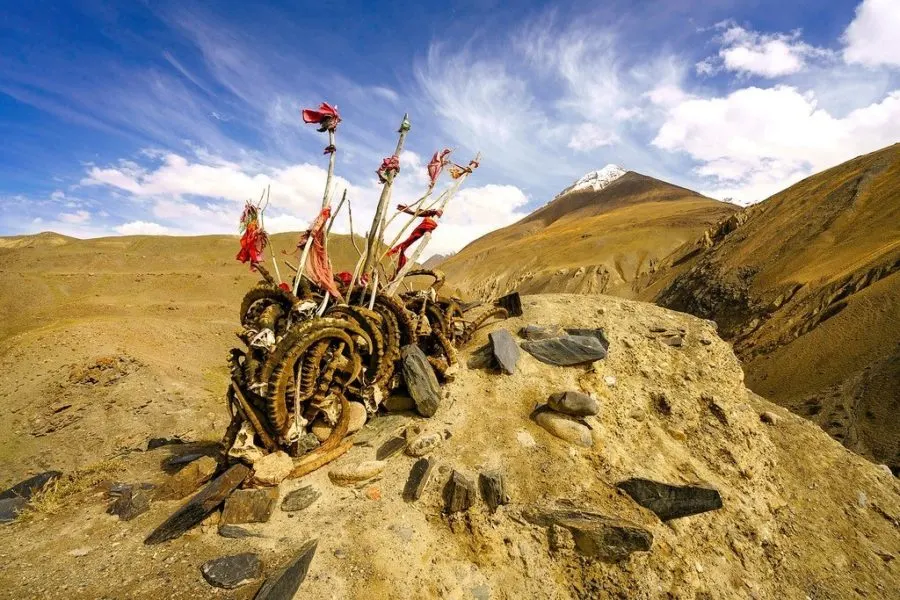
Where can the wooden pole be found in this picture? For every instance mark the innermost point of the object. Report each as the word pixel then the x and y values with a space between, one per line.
pixel 376 232
pixel 326 201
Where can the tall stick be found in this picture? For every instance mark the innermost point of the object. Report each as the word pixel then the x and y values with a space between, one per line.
pixel 326 201
pixel 376 231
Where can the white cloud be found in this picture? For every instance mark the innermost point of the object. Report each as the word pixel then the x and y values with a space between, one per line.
pixel 756 141
pixel 873 37
pixel 141 228
pixel 589 136
pixel 764 54
pixel 79 216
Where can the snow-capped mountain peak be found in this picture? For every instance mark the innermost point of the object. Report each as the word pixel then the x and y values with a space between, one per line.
pixel 595 180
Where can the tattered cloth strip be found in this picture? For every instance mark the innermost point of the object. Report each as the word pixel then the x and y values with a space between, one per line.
pixel 327 117
pixel 437 164
pixel 422 213
pixel 457 171
pixel 421 229
pixel 345 277
pixel 254 238
pixel 390 165
pixel 318 267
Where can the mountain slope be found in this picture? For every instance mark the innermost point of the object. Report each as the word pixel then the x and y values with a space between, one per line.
pixel 586 240
pixel 805 284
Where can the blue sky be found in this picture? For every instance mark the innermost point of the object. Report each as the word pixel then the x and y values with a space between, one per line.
pixel 162 117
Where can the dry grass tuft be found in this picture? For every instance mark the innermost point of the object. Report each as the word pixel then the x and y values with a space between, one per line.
pixel 53 498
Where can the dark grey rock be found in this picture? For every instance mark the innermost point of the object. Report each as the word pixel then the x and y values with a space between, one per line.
pixel 230 572
pixel 571 349
pixel 539 332
pixel 284 583
pixel 482 358
pixel 512 303
pixel 305 444
pixel 671 501
pixel 392 447
pixel 198 507
pixel 420 380
pixel 573 403
pixel 250 506
pixel 236 532
pixel 300 499
pixel 10 509
pixel 159 442
pixel 29 487
pixel 182 459
pixel 595 535
pixel 134 500
pixel 505 350
pixel 493 489
pixel 459 493
pixel 418 479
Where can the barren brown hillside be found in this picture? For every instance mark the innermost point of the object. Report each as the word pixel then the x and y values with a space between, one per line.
pixel 586 241
pixel 805 284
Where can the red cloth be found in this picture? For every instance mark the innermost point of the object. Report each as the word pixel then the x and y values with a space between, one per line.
pixel 327 116
pixel 285 287
pixel 391 163
pixel 422 213
pixel 345 277
pixel 254 238
pixel 318 267
pixel 421 229
pixel 437 163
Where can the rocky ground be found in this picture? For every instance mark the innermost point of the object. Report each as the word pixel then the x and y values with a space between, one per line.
pixel 800 515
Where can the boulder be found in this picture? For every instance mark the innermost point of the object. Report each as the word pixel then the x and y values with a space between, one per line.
pixel 186 481
pixel 272 469
pixel 230 572
pixel 300 499
pixel 420 380
pixel 573 403
pixel 671 501
pixel 505 350
pixel 565 428
pixel 250 506
pixel 284 583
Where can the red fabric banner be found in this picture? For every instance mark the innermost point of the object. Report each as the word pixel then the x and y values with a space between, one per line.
pixel 318 267
pixel 421 229
pixel 391 163
pixel 437 164
pixel 327 116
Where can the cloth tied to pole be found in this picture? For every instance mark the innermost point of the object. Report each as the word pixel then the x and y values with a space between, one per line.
pixel 327 117
pixel 254 239
pixel 427 224
pixel 390 166
pixel 457 171
pixel 318 267
pixel 437 164
pixel 422 213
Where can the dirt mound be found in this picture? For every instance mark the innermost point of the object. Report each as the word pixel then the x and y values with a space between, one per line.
pixel 675 412
pixel 586 241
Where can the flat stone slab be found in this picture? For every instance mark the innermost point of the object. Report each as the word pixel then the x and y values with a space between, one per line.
pixel 236 532
pixel 505 350
pixel 284 583
pixel 10 509
pixel 671 501
pixel 392 447
pixel 198 507
pixel 419 476
pixel 595 535
pixel 29 487
pixel 250 506
pixel 300 499
pixel 577 347
pixel 420 380
pixel 230 572
pixel 573 403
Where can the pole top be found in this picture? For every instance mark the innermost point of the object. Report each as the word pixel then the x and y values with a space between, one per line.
pixel 405 124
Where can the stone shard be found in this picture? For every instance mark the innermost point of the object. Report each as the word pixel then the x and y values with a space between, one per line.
pixel 352 473
pixel 230 572
pixel 540 332
pixel 582 346
pixel 595 535
pixel 29 487
pixel 250 506
pixel 512 303
pixel 131 502
pixel 300 499
pixel 420 380
pixel 196 509
pixel 419 476
pixel 179 460
pixel 459 493
pixel 235 532
pixel 284 583
pixel 505 350
pixel 565 428
pixel 573 403
pixel 10 508
pixel 392 447
pixel 493 489
pixel 671 501
pixel 186 481
pixel 272 469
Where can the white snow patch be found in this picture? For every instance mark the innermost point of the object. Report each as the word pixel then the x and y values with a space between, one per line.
pixel 595 180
